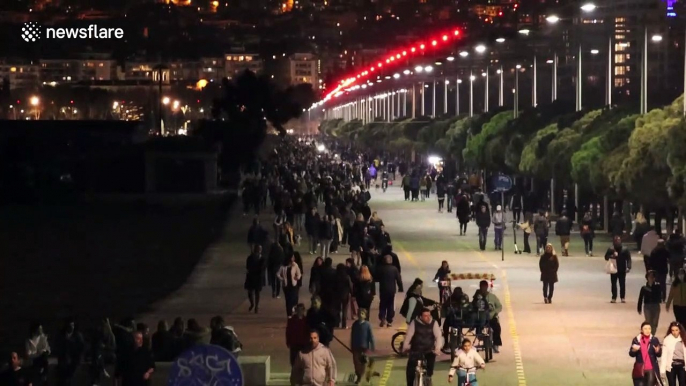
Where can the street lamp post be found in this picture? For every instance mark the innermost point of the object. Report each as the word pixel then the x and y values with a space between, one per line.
pixel 423 92
pixel 534 86
pixel 516 91
pixel 471 94
pixel 445 96
pixel 457 96
pixel 578 81
pixel 554 96
pixel 433 98
pixel 500 87
pixel 485 74
pixel 414 100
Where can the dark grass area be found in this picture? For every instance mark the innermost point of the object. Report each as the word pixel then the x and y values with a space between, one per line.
pixel 95 260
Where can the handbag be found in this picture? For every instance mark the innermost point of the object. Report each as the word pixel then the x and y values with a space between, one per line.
pixel 611 267
pixel 637 372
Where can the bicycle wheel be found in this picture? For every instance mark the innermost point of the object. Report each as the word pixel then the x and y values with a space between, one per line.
pixel 397 342
pixel 488 346
pixel 454 341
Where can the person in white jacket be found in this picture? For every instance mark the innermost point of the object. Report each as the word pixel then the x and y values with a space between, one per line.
pixel 465 364
pixel 673 355
pixel 314 365
pixel 289 274
pixel 38 351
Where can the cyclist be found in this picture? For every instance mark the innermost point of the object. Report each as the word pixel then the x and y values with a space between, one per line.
pixel 495 307
pixel 465 363
pixel 423 342
pixel 457 311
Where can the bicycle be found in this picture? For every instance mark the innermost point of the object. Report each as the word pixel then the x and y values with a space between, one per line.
pixel 420 378
pixel 399 337
pixel 468 381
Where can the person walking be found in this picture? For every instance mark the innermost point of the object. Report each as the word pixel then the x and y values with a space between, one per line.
pixel 527 228
pixel 677 294
pixel 361 341
pixel 563 228
pixel 389 279
pixel 297 332
pixel 344 290
pixel 312 227
pixel 498 227
pixel 641 227
pixel 649 300
pixel 548 264
pixel 588 233
pixel 658 261
pixel 620 258
pixel 541 226
pixel 37 351
pixel 365 290
pixel 289 275
pixel 274 262
pixel 325 235
pixel 483 221
pixel 495 308
pixel 423 184
pixel 140 365
pixel 414 186
pixel 440 195
pixel 254 277
pixel 316 276
pixel 673 355
pixel 405 184
pixel 463 211
pixel 645 347
pixel 314 365
pixel 69 348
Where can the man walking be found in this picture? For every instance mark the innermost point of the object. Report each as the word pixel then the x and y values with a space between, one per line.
pixel 495 308
pixel 423 341
pixel 621 257
pixel 388 277
pixel 483 221
pixel 314 365
pixel 361 341
pixel 563 228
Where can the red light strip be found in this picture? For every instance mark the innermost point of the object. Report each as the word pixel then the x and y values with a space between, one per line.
pixel 344 84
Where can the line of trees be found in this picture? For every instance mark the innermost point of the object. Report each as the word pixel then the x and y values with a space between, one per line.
pixel 611 151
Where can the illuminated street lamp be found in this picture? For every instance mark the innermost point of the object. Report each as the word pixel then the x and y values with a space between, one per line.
pixel 552 19
pixel 115 104
pixel 480 49
pixel 34 101
pixel 464 54
pixel 500 40
pixel 594 52
pixel 656 38
pixel 166 100
pixel 588 7
pixel 176 105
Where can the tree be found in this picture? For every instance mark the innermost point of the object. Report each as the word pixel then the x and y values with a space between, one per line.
pixel 479 150
pixel 532 160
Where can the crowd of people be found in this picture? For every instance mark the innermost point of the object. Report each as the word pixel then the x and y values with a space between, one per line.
pixel 127 347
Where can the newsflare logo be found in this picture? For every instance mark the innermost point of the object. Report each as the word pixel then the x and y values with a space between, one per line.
pixel 32 32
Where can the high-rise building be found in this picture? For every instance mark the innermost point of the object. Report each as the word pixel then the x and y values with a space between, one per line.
pixel 304 68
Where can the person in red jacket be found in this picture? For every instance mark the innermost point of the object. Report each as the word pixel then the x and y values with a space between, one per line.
pixel 297 332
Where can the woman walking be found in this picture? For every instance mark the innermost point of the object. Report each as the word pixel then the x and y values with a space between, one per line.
pixel 548 265
pixel 645 348
pixel 649 300
pixel 641 227
pixel 422 186
pixel 365 290
pixel 541 226
pixel 463 211
pixel 440 194
pixel 290 275
pixel 672 359
pixel 254 277
pixel 344 290
pixel 677 294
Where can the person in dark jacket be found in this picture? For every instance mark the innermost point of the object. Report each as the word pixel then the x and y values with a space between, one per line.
pixel 548 264
pixel 414 186
pixel 256 234
pixel 388 278
pixel 395 261
pixel 462 211
pixel 274 262
pixel 140 365
pixel 659 262
pixel 365 289
pixel 441 274
pixel 163 343
pixel 622 260
pixel 646 343
pixel 297 332
pixel 325 235
pixel 224 336
pixel 587 231
pixel 328 289
pixel 344 291
pixel 254 277
pixel 649 300
pixel 483 221
pixel 541 227
pixel 440 194
pixel 563 228
pixel 316 275
pixel 69 349
pixel 675 246
pixel 617 224
pixel 312 227
pixel 319 318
